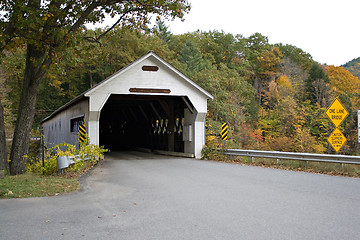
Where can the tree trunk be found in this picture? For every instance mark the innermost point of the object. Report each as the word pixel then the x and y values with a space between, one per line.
pixel 4 164
pixel 34 72
pixel 91 79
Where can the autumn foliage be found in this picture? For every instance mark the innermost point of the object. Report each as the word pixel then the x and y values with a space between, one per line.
pixel 273 96
pixel 342 81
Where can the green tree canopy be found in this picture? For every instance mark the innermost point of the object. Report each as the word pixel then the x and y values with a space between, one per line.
pixel 48 28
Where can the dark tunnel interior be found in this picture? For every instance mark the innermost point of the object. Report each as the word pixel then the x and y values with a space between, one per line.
pixel 143 121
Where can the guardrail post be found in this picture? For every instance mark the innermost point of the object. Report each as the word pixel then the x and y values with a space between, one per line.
pixel 252 159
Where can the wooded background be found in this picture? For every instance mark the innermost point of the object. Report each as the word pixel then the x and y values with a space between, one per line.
pixel 273 96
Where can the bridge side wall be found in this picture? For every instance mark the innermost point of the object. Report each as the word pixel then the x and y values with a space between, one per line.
pixel 58 128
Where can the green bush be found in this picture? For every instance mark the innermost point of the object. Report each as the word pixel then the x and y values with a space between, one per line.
pixel 89 152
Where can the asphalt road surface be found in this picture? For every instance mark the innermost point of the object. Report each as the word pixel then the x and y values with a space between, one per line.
pixel 143 196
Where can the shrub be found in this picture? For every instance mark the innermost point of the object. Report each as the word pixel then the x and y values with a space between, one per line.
pixel 280 143
pixel 89 152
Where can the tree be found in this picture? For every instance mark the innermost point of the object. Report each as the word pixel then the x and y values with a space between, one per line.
pixel 222 46
pixel 296 76
pixel 268 66
pixel 3 150
pixel 317 85
pixel 341 80
pixel 321 92
pixel 255 46
pixel 191 56
pixel 162 31
pixel 4 164
pixel 297 55
pixel 269 63
pixel 353 67
pixel 232 94
pixel 47 28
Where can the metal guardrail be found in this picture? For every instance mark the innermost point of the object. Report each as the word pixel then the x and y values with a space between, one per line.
pixel 65 161
pixel 314 157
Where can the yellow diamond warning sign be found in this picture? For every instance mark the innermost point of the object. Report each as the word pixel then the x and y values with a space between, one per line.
pixel 336 139
pixel 337 112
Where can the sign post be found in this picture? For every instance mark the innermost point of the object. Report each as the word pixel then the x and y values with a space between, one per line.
pixel 337 114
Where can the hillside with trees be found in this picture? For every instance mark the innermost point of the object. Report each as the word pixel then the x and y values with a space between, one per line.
pixel 353 66
pixel 273 96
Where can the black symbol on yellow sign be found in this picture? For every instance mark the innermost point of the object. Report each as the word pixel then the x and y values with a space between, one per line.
pixel 224 131
pixel 337 112
pixel 337 139
pixel 82 132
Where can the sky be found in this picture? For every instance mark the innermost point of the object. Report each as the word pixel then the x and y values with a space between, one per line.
pixel 328 30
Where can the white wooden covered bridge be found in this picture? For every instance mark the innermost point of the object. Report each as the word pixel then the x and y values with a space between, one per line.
pixel 148 104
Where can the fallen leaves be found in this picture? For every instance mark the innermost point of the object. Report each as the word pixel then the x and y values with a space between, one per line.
pixel 9 193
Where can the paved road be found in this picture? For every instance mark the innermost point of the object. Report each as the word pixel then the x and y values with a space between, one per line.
pixel 142 196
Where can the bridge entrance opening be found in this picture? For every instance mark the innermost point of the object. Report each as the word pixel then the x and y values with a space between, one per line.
pixel 143 121
pixel 147 104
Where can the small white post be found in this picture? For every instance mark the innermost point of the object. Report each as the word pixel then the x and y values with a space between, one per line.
pixel 358 114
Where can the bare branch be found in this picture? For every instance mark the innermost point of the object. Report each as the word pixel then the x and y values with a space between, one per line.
pixel 89 10
pixel 113 26
pixel 146 5
pixel 84 16
pixel 93 40
pixel 97 39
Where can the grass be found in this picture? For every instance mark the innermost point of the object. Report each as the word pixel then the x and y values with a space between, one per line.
pixel 34 185
pixel 335 169
pixel 37 185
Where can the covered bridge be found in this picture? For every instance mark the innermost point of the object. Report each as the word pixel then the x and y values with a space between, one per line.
pixel 147 104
